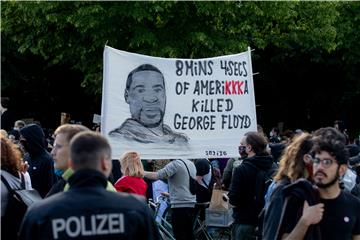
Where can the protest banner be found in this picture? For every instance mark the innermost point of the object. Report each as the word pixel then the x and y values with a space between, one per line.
pixel 168 108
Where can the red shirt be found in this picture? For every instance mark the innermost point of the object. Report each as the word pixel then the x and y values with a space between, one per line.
pixel 131 185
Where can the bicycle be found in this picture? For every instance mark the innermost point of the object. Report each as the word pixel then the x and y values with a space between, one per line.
pixel 200 228
pixel 220 224
pixel 163 219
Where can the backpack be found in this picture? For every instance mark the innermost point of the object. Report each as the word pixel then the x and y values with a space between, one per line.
pixel 18 203
pixel 273 210
pixel 264 179
pixel 193 184
pixel 203 168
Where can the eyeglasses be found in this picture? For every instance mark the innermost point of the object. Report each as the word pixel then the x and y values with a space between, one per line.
pixel 325 162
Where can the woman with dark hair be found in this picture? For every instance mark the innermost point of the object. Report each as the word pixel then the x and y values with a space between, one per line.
pixel 12 176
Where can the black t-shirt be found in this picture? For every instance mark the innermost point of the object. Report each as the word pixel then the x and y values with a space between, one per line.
pixel 341 219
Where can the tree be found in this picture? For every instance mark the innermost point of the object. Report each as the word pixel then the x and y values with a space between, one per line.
pixel 75 33
pixel 294 41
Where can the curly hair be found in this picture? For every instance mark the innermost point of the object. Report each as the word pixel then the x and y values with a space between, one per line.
pixel 292 165
pixel 332 141
pixel 11 157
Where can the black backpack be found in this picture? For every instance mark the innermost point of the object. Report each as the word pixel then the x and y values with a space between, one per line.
pixel 204 193
pixel 264 178
pixel 18 202
pixel 193 184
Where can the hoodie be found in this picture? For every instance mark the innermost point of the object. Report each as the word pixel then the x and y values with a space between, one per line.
pixel 242 189
pixel 41 165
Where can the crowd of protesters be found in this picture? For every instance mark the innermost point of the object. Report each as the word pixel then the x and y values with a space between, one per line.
pixel 315 192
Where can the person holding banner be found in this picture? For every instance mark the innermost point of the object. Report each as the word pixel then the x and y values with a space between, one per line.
pixel 146 96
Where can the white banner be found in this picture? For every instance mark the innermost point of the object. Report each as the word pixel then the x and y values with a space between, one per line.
pixel 177 108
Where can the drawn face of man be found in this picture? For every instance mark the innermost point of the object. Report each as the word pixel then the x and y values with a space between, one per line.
pixel 147 98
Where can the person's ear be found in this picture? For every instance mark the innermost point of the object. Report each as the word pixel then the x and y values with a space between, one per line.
pixel 307 159
pixel 106 166
pixel 126 96
pixel 70 163
pixel 249 148
pixel 342 169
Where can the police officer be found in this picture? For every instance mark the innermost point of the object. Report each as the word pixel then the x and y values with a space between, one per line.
pixel 87 210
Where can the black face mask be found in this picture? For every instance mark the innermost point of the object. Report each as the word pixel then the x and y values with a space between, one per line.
pixel 24 144
pixel 242 151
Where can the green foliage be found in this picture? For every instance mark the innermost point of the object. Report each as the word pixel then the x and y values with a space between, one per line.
pixel 348 39
pixel 74 33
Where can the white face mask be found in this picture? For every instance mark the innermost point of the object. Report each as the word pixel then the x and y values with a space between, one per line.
pixel 271 134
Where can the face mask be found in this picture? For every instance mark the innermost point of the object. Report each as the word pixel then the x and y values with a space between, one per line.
pixel 242 150
pixel 309 171
pixel 271 134
pixel 25 145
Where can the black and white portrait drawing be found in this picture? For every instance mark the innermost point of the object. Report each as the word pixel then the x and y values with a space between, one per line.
pixel 146 96
pixel 170 108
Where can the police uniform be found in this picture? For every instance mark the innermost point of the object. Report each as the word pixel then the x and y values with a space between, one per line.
pixel 88 211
